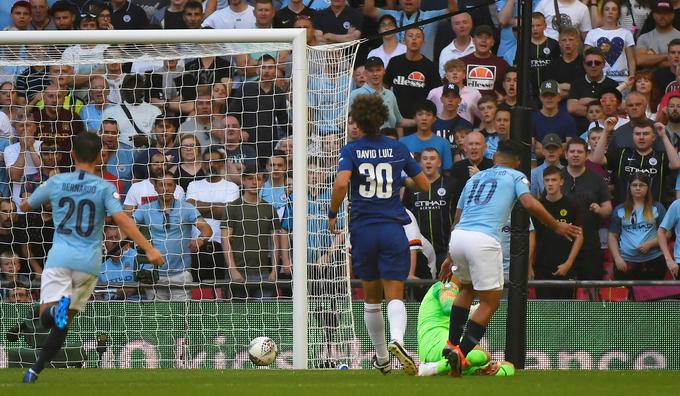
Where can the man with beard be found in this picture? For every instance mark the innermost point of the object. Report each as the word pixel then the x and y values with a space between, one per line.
pixel 143 192
pixel 210 196
pixel 672 111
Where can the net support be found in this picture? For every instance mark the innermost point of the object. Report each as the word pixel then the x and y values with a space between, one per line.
pixel 300 307
pixel 520 130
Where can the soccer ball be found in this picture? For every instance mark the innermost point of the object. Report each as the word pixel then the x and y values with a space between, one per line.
pixel 262 351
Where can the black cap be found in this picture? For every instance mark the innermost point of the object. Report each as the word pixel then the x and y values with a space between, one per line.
pixel 483 29
pixel 549 87
pixel 663 7
pixel 451 88
pixel 374 61
pixel 551 140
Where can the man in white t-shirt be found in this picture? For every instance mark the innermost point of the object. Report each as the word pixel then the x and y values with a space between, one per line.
pixel 572 13
pixel 239 15
pixel 142 114
pixel 210 196
pixel 22 158
pixel 143 192
pixel 461 45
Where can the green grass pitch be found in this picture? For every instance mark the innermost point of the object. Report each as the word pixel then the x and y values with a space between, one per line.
pixel 94 382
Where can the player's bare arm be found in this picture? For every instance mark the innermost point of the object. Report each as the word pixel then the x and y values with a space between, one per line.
pixel 418 183
pixel 535 208
pixel 205 233
pixel 127 225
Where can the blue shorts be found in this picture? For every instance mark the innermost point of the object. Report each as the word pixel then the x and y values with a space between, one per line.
pixel 380 251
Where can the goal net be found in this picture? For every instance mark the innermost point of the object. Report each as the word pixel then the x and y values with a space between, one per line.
pixel 248 125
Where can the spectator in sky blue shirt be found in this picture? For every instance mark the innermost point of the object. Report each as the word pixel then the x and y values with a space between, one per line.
pixel 118 266
pixel 426 114
pixel 633 229
pixel 170 224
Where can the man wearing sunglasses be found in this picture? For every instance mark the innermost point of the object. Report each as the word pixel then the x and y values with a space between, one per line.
pixel 589 87
pixel 170 221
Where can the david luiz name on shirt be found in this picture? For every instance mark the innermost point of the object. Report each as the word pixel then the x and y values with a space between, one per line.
pixel 380 153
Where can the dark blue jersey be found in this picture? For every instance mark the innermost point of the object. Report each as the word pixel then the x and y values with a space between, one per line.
pixel 376 165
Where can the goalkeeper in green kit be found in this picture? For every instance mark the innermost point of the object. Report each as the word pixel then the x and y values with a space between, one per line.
pixel 433 332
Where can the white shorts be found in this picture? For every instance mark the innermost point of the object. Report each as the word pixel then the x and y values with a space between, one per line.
pixel 56 282
pixel 477 259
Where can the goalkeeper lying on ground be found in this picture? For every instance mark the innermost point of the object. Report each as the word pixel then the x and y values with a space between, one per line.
pixel 433 332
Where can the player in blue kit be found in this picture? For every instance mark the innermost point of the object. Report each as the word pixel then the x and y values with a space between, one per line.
pixel 475 249
pixel 373 165
pixel 80 203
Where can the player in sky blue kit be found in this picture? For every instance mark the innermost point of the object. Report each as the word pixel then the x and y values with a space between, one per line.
pixel 80 203
pixel 373 165
pixel 475 249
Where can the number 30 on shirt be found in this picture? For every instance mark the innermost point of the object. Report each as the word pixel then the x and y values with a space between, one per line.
pixel 378 180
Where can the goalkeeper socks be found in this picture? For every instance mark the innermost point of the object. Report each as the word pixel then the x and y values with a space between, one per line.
pixel 47 317
pixel 51 347
pixel 375 325
pixel 396 315
pixel 457 320
pixel 473 334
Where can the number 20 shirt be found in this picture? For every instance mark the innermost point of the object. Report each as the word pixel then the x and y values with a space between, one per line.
pixel 376 165
pixel 80 202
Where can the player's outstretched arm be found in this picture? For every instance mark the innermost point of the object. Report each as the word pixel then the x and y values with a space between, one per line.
pixel 128 226
pixel 537 210
pixel 418 183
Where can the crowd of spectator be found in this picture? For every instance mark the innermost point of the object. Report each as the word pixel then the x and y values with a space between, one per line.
pixel 200 150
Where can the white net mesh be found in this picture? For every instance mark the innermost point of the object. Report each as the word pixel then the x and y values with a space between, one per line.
pixel 219 118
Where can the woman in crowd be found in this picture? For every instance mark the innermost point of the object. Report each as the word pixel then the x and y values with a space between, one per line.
pixel 644 82
pixel 616 43
pixel 189 168
pixel 633 229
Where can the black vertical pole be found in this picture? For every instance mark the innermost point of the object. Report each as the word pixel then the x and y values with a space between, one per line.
pixel 520 130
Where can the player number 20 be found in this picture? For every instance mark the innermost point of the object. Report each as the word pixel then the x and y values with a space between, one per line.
pixel 378 180
pixel 83 229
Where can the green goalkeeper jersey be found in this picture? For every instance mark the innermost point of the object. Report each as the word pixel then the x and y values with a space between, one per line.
pixel 433 320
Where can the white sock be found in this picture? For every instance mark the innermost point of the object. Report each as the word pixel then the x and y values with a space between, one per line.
pixel 396 315
pixel 375 325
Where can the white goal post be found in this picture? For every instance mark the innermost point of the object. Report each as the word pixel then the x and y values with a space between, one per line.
pixel 140 46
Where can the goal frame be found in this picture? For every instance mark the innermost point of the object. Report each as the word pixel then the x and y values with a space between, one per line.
pixel 298 40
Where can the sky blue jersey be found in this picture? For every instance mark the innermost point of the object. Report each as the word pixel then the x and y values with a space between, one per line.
pixel 376 165
pixel 671 222
pixel 80 203
pixel 635 230
pixel 488 198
